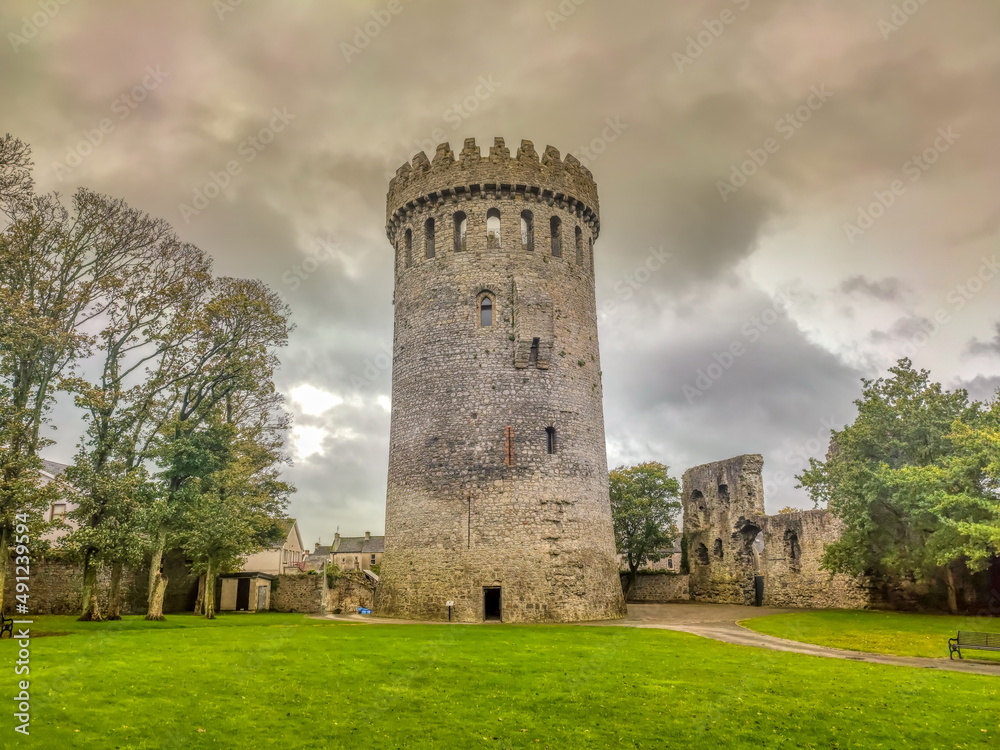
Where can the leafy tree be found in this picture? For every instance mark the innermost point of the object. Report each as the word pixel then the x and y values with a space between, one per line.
pixel 904 422
pixel 232 510
pixel 230 359
pixel 958 499
pixel 644 510
pixel 146 308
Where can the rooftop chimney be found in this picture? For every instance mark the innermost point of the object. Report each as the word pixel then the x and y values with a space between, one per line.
pixel 368 536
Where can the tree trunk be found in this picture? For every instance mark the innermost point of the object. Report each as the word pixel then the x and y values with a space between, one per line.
pixel 115 593
pixel 199 603
pixel 91 610
pixel 209 592
pixel 157 580
pixel 155 563
pixel 630 582
pixel 949 572
pixel 155 611
pixel 4 561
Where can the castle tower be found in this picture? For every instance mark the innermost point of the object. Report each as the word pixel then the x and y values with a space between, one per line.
pixel 498 489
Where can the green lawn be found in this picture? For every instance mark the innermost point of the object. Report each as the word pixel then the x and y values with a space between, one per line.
pixel 898 633
pixel 262 681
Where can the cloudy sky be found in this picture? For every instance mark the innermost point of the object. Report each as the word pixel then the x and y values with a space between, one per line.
pixel 811 185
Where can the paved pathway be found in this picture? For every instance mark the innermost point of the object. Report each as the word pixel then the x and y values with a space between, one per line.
pixel 719 622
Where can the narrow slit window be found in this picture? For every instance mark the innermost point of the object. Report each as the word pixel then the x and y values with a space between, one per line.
pixel 461 228
pixel 408 247
pixel 429 238
pixel 527 231
pixel 591 253
pixel 550 440
pixel 508 439
pixel 579 246
pixel 493 229
pixel 533 357
pixel 486 312
pixel 555 227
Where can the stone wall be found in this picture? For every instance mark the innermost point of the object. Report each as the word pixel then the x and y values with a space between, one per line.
pixel 56 587
pixel 720 501
pixel 349 592
pixel 659 587
pixel 794 544
pixel 478 495
pixel 298 593
pixel 731 542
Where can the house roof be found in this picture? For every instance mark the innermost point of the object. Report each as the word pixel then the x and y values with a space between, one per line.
pixel 286 526
pixel 53 468
pixel 359 545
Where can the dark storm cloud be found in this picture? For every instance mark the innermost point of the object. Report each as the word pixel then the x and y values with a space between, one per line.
pixel 684 264
pixel 992 347
pixel 885 290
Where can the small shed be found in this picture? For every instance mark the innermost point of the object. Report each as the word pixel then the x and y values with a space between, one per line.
pixel 245 592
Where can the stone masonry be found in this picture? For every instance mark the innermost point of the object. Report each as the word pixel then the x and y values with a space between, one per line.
pixel 731 542
pixel 497 465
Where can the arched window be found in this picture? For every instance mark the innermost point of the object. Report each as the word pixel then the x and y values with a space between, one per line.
pixel 701 555
pixel 556 231
pixel 550 439
pixel 486 311
pixel 429 238
pixel 461 227
pixel 493 229
pixel 408 247
pixel 579 246
pixel 527 231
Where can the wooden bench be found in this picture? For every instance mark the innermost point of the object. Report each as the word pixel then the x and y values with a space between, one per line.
pixel 6 625
pixel 970 640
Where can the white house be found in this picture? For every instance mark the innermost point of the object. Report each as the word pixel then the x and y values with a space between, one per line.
pixel 58 509
pixel 283 557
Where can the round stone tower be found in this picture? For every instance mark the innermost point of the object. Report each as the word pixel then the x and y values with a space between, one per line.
pixel 498 489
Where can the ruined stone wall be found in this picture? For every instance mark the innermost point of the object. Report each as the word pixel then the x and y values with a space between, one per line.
pixel 660 587
pixel 298 593
pixel 348 593
pixel 794 544
pixel 721 502
pixel 721 526
pixel 467 507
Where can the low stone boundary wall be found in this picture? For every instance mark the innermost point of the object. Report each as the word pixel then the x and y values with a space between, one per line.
pixel 659 587
pixel 55 587
pixel 298 593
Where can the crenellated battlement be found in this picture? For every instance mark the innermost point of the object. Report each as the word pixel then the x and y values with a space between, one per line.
pixel 550 178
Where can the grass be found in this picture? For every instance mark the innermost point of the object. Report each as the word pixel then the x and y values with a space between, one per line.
pixel 268 680
pixel 897 633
